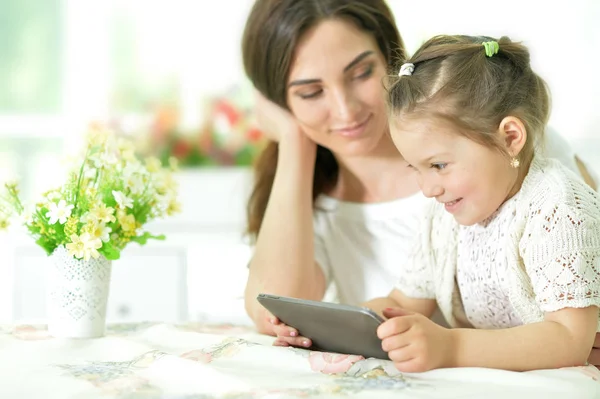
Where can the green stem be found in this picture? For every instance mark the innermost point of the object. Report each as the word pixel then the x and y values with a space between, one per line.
pixel 87 151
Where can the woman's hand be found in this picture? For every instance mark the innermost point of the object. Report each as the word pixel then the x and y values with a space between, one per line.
pixel 288 336
pixel 413 342
pixel 274 121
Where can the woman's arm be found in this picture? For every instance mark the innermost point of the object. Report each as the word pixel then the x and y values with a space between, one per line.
pixel 585 173
pixel 283 261
pixel 557 147
pixel 563 339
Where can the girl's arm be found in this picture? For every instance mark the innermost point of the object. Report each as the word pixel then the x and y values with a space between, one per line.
pixel 416 344
pixel 563 339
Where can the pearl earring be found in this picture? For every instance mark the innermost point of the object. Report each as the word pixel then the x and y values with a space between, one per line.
pixel 515 163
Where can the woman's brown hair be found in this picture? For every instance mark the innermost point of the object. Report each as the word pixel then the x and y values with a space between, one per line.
pixel 272 32
pixel 453 79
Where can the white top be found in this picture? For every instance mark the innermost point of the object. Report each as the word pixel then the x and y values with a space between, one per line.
pixel 552 249
pixel 359 246
pixel 482 267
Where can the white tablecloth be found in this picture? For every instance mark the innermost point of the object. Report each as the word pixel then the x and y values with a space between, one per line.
pixel 192 361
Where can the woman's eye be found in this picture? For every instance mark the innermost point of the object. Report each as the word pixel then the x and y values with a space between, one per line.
pixel 364 72
pixel 439 166
pixel 312 94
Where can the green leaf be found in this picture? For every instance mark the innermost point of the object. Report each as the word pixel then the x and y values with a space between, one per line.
pixel 143 239
pixel 46 244
pixel 109 251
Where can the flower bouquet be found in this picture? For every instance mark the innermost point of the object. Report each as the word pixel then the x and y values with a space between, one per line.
pixel 108 196
pixel 227 136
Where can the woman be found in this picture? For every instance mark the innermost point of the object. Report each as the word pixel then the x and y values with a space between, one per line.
pixel 333 201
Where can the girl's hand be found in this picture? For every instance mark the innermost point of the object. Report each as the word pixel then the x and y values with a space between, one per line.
pixel 413 342
pixel 287 336
pixel 595 354
pixel 275 121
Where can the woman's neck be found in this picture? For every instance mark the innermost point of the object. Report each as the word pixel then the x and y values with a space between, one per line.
pixel 378 177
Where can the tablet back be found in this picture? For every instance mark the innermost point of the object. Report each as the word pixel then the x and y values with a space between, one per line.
pixel 331 327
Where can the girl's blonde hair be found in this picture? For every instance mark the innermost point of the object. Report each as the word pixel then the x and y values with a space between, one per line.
pixel 453 79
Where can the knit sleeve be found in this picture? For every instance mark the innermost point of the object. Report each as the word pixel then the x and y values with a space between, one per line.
pixel 416 273
pixel 561 250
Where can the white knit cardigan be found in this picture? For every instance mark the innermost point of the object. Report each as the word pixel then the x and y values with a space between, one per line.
pixel 553 249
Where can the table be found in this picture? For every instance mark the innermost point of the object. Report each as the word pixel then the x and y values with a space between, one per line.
pixel 198 361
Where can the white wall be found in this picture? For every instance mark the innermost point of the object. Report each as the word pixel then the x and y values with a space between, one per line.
pixel 563 38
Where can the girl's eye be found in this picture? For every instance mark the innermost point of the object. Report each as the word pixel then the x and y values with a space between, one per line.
pixel 439 166
pixel 312 94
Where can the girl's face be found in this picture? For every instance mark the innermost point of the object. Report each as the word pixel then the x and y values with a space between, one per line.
pixel 335 88
pixel 472 180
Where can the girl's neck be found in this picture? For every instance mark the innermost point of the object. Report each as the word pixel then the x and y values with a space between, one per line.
pixel 381 176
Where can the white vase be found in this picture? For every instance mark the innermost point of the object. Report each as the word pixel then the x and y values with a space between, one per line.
pixel 77 293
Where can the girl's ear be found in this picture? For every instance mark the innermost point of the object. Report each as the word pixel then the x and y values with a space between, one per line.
pixel 513 133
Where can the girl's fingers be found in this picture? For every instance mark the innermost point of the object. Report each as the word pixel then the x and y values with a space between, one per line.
pixel 395 342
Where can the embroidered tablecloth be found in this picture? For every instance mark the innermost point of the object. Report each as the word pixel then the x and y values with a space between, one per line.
pixel 196 361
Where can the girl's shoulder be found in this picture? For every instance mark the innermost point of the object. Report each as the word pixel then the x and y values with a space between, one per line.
pixel 551 190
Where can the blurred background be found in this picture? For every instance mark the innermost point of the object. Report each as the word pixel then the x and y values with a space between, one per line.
pixel 169 73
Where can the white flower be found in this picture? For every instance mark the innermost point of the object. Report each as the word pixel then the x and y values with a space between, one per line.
pixel 84 246
pixel 59 213
pixel 122 200
pixel 98 135
pixel 126 149
pixel 102 232
pixel 132 168
pixel 135 184
pixel 110 158
pixel 53 195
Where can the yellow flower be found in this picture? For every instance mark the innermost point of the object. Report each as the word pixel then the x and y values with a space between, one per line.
pixel 12 185
pixel 97 135
pixel 99 230
pixel 174 207
pixel 71 226
pixel 84 246
pixel 127 222
pixel 153 164
pixel 91 192
pixel 4 223
pixel 102 213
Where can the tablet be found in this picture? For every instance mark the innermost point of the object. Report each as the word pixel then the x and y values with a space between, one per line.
pixel 331 327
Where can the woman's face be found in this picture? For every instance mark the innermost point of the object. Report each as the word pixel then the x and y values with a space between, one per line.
pixel 335 88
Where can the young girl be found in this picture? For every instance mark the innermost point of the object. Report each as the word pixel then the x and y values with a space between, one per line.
pixel 333 203
pixel 511 245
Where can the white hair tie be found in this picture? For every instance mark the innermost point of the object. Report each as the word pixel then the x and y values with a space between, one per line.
pixel 406 69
